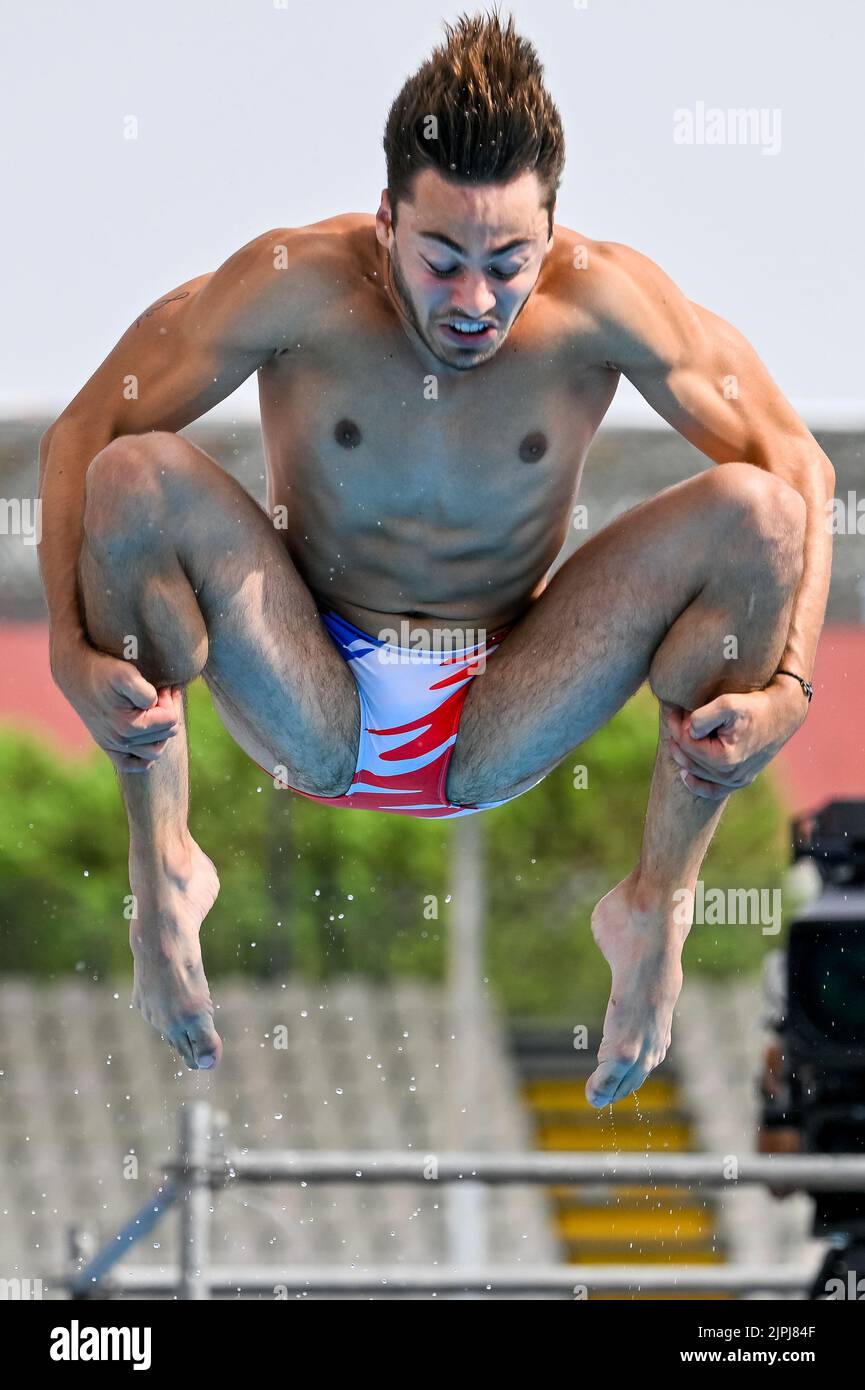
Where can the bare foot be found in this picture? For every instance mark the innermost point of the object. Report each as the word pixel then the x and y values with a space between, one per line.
pixel 643 948
pixel 170 987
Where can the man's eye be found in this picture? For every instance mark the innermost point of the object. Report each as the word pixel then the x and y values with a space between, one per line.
pixel 442 272
pixel 505 274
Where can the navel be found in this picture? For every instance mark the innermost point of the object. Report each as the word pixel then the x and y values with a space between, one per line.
pixel 347 434
pixel 533 447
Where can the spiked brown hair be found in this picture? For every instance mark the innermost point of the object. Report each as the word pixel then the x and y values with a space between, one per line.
pixel 476 111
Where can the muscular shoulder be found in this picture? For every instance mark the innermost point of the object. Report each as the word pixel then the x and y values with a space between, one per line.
pixel 320 247
pixel 276 283
pixel 636 311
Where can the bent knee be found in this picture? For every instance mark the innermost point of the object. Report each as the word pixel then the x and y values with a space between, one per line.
pixel 764 512
pixel 127 480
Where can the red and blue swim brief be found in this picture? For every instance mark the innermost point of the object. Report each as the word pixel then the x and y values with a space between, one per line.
pixel 411 701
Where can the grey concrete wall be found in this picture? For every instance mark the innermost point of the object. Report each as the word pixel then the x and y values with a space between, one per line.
pixel 623 468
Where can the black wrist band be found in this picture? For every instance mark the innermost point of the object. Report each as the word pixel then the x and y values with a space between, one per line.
pixel 806 685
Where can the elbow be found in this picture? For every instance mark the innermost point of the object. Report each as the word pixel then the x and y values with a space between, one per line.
pixel 821 466
pixel 44 447
pixel 45 439
pixel 817 457
pixel 828 473
pixel 45 442
pixel 810 463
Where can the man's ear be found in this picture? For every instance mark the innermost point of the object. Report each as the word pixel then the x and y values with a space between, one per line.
pixel 384 220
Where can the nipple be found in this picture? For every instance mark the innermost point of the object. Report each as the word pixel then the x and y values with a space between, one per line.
pixel 347 434
pixel 533 447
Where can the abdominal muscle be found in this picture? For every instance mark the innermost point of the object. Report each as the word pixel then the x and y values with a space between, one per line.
pixel 387 613
pixel 376 621
pixel 363 558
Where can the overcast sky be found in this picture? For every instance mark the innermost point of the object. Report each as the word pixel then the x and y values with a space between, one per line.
pixel 253 114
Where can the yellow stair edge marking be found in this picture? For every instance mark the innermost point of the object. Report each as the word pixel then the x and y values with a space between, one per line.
pixel 619 1256
pixel 661 1137
pixel 634 1225
pixel 567 1094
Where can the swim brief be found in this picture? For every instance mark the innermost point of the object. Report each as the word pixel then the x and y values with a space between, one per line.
pixel 411 701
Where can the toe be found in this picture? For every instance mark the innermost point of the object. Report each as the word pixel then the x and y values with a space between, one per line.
pixel 603 1085
pixel 179 1043
pixel 631 1082
pixel 207 1046
pixel 639 1072
pixel 197 1041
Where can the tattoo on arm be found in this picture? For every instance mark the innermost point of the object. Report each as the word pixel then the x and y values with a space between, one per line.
pixel 160 304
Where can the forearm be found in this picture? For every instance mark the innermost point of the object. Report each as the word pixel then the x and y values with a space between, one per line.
pixel 64 456
pixel 811 474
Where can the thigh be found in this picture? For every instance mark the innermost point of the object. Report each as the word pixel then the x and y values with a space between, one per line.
pixel 586 645
pixel 278 682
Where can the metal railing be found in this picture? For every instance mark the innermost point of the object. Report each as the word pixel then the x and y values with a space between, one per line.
pixel 198 1171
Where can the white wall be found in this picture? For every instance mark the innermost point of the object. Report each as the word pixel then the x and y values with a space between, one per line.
pixel 252 116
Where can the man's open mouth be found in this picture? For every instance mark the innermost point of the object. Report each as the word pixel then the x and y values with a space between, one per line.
pixel 468 331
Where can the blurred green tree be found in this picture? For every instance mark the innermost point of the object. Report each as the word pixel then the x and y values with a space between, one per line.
pixel 328 892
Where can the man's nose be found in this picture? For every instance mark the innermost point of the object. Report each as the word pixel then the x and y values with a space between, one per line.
pixel 474 295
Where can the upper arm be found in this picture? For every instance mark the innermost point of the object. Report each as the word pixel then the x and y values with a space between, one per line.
pixel 192 347
pixel 696 370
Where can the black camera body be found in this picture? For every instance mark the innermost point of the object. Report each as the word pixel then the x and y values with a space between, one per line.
pixel 820 1083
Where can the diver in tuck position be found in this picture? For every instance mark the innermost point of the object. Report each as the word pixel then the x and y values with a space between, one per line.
pixel 430 382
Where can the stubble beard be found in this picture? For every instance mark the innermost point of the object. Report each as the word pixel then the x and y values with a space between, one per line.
pixel 400 289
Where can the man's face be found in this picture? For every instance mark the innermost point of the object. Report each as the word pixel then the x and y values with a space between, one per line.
pixel 464 259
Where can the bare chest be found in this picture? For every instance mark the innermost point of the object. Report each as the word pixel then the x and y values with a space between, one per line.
pixel 388 474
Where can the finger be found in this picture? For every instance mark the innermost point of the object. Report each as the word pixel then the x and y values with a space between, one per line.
pixel 710 790
pixel 725 777
pixel 129 682
pixel 125 762
pixel 143 748
pixel 169 703
pixel 714 753
pixel 724 736
pixel 717 714
pixel 145 752
pixel 131 739
pixel 167 697
pixel 131 723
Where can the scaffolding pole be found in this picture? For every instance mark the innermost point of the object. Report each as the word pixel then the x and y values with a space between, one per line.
pixel 193 1182
pixel 577 1281
pixel 466 1204
pixel 799 1172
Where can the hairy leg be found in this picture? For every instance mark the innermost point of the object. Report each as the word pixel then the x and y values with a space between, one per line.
pixel 651 596
pixel 183 574
pixel 656 594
